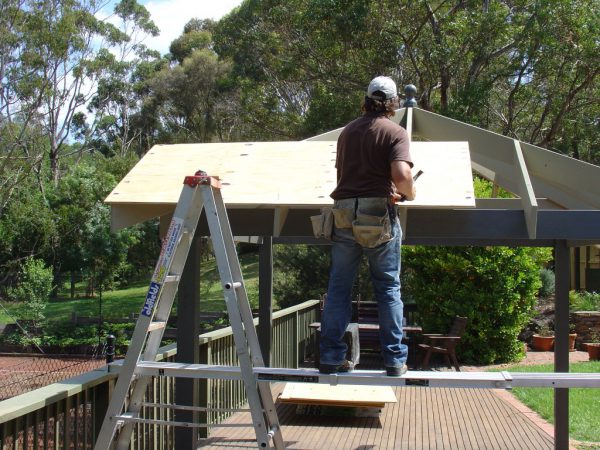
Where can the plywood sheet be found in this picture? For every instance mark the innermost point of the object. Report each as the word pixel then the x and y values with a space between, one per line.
pixel 295 174
pixel 339 395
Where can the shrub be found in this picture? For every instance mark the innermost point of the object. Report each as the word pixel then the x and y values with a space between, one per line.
pixel 63 335
pixel 548 280
pixel 494 287
pixel 302 273
pixel 584 301
pixel 32 290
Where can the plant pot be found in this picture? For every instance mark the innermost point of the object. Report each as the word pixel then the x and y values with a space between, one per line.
pixel 542 343
pixel 593 350
pixel 572 337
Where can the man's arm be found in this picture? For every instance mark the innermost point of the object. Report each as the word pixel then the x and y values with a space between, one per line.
pixel 402 178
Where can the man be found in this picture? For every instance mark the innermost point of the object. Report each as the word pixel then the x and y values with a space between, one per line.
pixel 373 171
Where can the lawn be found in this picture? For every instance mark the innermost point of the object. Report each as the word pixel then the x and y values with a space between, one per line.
pixel 120 303
pixel 584 403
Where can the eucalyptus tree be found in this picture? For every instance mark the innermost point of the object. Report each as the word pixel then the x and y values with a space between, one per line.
pixel 191 98
pixel 552 96
pixel 111 125
pixel 21 142
pixel 53 56
pixel 524 68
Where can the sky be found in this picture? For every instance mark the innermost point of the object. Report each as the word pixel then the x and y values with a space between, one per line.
pixel 170 16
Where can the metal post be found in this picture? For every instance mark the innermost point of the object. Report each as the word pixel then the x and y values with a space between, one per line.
pixel 110 348
pixel 561 343
pixel 577 267
pixel 265 297
pixel 188 345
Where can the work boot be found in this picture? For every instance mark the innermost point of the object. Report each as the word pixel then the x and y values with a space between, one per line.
pixel 346 366
pixel 396 371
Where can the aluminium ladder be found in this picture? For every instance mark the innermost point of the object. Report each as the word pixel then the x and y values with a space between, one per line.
pixel 199 192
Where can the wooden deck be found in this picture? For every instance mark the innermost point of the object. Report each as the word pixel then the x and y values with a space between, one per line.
pixel 423 418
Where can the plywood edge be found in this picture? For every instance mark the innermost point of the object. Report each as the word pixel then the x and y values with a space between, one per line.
pixel 340 395
pixel 340 403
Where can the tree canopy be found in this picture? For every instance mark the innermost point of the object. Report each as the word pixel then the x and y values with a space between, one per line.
pixel 82 97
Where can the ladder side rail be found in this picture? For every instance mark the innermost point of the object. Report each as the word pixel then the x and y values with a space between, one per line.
pixel 121 389
pixel 139 337
pixel 243 307
pixel 190 208
pixel 221 246
pixel 163 308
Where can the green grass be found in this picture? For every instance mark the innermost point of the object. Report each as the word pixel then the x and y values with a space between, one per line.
pixel 120 303
pixel 584 403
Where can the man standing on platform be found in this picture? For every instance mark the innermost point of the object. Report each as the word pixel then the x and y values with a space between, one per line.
pixel 373 172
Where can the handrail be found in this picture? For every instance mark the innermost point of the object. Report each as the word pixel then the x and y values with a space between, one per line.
pixel 76 406
pixel 31 401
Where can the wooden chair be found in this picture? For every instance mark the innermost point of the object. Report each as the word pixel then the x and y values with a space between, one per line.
pixel 444 344
pixel 367 313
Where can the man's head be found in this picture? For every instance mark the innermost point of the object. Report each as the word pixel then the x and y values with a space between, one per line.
pixel 382 88
pixel 382 96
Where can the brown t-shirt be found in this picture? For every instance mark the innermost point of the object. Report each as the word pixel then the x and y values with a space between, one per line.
pixel 365 149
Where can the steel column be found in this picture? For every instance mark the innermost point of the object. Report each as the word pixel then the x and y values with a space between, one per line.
pixel 188 345
pixel 561 343
pixel 265 297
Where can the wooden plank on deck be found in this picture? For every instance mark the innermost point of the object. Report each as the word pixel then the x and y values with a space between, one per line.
pixel 341 395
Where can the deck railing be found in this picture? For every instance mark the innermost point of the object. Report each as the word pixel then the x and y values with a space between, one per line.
pixel 68 414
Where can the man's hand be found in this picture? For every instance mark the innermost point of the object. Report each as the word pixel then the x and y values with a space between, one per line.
pixel 403 181
pixel 403 197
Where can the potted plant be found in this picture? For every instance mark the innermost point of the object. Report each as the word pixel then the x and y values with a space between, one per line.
pixel 572 337
pixel 593 348
pixel 543 341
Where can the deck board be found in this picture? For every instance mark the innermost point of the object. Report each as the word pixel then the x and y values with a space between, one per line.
pixel 423 418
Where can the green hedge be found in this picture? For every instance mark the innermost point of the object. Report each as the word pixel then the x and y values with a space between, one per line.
pixel 494 287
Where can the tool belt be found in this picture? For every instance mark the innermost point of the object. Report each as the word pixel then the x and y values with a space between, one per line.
pixel 323 223
pixel 369 219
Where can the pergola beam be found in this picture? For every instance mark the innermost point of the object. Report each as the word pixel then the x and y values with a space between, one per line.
pixel 525 192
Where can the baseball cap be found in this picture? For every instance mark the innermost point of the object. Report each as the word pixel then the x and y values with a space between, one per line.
pixel 382 88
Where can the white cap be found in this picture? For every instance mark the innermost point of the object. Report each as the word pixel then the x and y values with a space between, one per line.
pixel 382 88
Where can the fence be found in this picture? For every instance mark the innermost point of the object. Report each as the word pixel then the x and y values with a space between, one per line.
pixel 68 414
pixel 23 374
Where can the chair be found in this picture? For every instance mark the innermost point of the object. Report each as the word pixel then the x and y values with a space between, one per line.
pixel 444 344
pixel 366 314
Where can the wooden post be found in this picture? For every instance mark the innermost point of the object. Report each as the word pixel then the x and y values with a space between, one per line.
pixel 561 343
pixel 188 345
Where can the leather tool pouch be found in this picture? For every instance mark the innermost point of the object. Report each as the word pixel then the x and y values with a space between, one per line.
pixel 323 224
pixel 371 231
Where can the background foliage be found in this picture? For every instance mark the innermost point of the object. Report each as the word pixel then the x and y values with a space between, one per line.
pixel 82 98
pixel 494 287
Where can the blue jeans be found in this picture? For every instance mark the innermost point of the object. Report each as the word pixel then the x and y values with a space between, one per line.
pixel 384 266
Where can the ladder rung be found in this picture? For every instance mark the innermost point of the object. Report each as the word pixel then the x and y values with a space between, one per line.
pixel 234 285
pixel 192 408
pixel 157 326
pixel 131 417
pixel 172 278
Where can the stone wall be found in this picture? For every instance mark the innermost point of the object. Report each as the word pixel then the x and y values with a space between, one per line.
pixel 583 323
